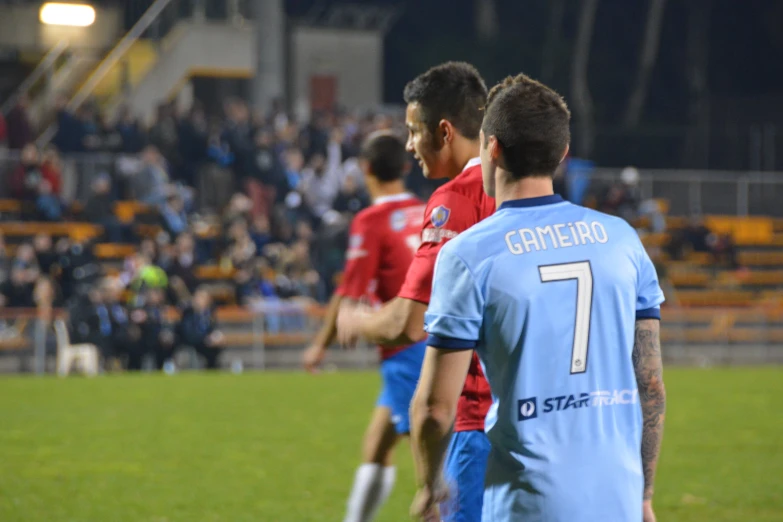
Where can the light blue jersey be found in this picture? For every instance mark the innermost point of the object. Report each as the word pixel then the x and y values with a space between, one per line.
pixel 548 294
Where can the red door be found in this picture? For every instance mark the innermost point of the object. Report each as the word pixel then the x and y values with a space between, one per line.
pixel 323 93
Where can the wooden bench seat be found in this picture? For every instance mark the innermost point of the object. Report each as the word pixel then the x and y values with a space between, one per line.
pixel 214 272
pixel 655 240
pixel 105 251
pixel 715 298
pixel 76 231
pixel 690 279
pixel 756 335
pixel 761 258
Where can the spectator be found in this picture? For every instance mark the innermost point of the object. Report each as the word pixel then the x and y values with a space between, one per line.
pixel 181 271
pixel 261 232
pixel 3 132
pixel 215 178
pixel 319 186
pixel 266 173
pixel 163 134
pixel 45 255
pixel 17 291
pixel 173 216
pixel 99 209
pixel 26 179
pixel 150 184
pixel 157 337
pixel 51 169
pixel 197 328
pixel 131 133
pixel 48 206
pixel 351 199
pixel 19 128
pixel 124 333
pixel 4 261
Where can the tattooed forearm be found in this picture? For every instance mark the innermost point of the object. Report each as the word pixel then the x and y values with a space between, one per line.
pixel 652 395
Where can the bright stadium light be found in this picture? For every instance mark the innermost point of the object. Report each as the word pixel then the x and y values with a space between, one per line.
pixel 74 15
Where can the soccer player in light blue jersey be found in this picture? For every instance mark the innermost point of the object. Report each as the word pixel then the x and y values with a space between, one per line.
pixel 562 305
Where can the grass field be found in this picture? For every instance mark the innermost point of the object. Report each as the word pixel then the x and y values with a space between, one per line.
pixel 283 447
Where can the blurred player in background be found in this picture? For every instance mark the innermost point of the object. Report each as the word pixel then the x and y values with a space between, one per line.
pixel 383 240
pixel 562 304
pixel 444 113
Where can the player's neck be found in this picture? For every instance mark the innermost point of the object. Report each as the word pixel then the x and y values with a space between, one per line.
pixel 390 188
pixel 464 151
pixel 523 189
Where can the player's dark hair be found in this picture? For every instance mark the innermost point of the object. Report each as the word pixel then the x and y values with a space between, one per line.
pixel 452 91
pixel 531 123
pixel 386 155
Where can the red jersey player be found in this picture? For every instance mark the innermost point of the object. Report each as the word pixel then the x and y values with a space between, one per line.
pixel 444 115
pixel 383 241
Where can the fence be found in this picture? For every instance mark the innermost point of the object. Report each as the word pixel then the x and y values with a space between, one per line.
pixel 273 337
pixel 691 192
pixel 270 337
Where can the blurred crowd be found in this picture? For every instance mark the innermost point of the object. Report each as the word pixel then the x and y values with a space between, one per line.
pixel 265 199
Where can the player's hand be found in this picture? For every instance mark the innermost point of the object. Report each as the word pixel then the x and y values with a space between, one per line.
pixel 313 357
pixel 425 503
pixel 648 513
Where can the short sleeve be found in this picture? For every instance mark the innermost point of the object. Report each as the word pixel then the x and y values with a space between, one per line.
pixel 649 295
pixel 362 259
pixel 446 216
pixel 454 317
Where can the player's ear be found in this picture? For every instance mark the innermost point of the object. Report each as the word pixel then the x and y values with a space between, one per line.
pixel 565 153
pixel 365 166
pixel 493 147
pixel 446 131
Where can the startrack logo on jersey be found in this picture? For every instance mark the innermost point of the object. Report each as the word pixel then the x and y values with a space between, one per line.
pixel 528 408
pixel 440 215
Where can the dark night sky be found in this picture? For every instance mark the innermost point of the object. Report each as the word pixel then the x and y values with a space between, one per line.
pixel 746 46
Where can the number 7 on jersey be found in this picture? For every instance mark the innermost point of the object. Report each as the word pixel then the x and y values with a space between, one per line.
pixel 583 274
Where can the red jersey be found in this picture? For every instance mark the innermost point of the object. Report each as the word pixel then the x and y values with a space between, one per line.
pixel 453 208
pixel 382 242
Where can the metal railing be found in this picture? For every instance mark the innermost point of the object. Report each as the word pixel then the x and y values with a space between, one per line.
pixel 272 338
pixel 44 68
pixel 694 192
pixel 275 338
pixel 689 192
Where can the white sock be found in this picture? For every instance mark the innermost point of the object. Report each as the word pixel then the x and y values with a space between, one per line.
pixel 371 487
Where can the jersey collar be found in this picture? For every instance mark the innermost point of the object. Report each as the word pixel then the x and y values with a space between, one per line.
pixel 532 202
pixel 472 162
pixel 402 196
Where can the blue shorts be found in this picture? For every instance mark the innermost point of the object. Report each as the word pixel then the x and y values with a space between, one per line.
pixel 466 465
pixel 400 375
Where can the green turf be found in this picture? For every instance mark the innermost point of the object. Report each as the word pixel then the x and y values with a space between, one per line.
pixel 283 447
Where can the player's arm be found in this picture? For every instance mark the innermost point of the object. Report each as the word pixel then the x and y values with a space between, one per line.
pixel 398 322
pixel 454 322
pixel 315 353
pixel 361 267
pixel 648 366
pixel 434 407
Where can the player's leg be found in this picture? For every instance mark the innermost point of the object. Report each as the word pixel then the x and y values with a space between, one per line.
pixel 374 479
pixel 466 464
pixel 400 375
